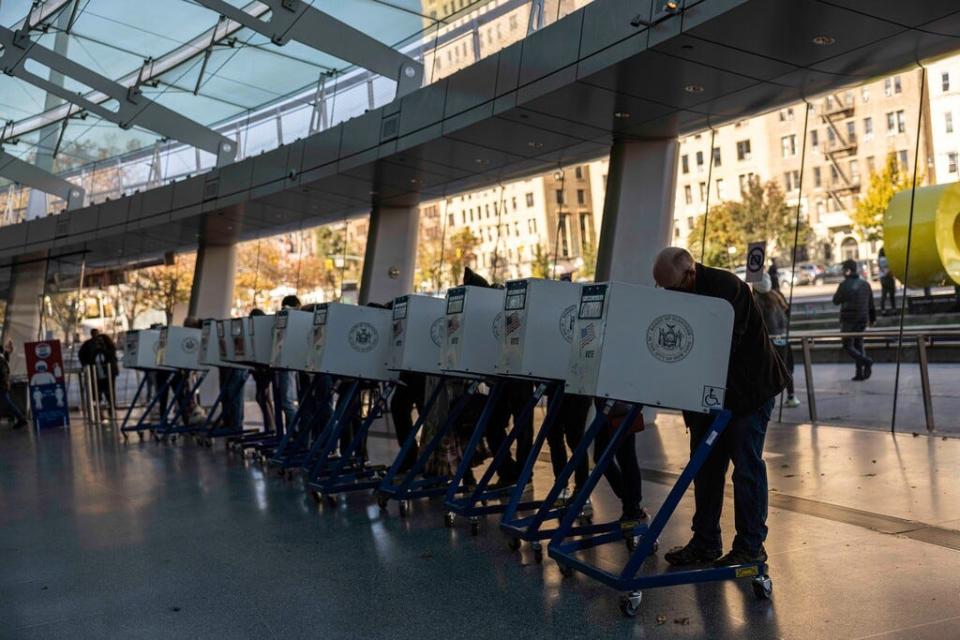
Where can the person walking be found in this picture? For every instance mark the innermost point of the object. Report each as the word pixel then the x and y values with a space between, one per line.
pixel 754 378
pixel 855 298
pixel 776 312
pixel 6 402
pixel 888 284
pixel 774 274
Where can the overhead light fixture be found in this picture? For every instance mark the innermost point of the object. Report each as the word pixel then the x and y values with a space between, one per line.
pixel 693 88
pixel 621 115
pixel 533 144
pixel 671 5
pixel 482 161
pixel 824 41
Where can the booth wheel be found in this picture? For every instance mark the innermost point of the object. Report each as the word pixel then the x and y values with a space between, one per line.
pixel 763 587
pixel 632 542
pixel 583 519
pixel 630 603
pixel 140 435
pixel 448 520
pixel 514 544
pixel 404 507
pixel 537 552
pixel 565 570
pixel 317 496
pixel 474 526
pixel 331 501
pixel 382 501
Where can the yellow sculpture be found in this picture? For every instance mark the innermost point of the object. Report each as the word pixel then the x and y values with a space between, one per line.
pixel 935 243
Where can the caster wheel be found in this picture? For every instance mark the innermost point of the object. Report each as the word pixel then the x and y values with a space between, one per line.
pixel 538 555
pixel 514 544
pixel 331 501
pixel 763 587
pixel 565 571
pixel 448 520
pixel 631 543
pixel 585 520
pixel 630 603
pixel 474 527
pixel 404 507
pixel 317 496
pixel 140 436
pixel 382 501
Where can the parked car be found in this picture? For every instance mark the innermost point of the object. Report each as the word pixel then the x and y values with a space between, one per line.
pixel 834 272
pixel 805 273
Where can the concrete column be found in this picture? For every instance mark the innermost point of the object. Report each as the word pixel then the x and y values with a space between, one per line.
pixel 637 210
pixel 211 295
pixel 21 322
pixel 391 255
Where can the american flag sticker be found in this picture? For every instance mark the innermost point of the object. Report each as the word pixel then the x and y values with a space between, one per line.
pixel 587 335
pixel 512 323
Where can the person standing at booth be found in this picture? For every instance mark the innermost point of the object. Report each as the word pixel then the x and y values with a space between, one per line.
pixel 755 376
pixel 287 380
pixel 262 381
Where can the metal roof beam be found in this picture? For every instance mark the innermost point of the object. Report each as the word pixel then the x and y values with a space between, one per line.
pixel 131 107
pixel 297 20
pixel 15 169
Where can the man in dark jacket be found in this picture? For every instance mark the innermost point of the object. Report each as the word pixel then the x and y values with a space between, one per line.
pixel 855 297
pixel 754 378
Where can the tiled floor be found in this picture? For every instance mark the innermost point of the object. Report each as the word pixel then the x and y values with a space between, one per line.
pixel 104 540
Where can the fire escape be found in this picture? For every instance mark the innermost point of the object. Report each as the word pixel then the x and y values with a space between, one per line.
pixel 841 144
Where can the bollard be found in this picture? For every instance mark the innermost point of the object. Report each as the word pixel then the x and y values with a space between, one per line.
pixel 925 382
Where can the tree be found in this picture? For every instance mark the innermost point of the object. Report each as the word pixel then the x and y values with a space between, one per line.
pixel 589 269
pixel 762 214
pixel 460 252
pixel 164 287
pixel 868 215
pixel 541 263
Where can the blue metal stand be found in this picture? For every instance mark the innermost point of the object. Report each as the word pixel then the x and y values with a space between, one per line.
pixel 565 550
pixel 350 471
pixel 208 428
pixel 293 446
pixel 142 425
pixel 124 428
pixel 414 484
pixel 474 503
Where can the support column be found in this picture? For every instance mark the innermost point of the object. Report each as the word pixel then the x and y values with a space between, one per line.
pixel 637 210
pixel 391 255
pixel 211 295
pixel 21 322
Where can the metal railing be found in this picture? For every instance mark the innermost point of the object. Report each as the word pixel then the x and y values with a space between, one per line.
pixel 921 339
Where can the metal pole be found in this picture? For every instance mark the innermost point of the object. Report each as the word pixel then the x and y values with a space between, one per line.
pixel 925 382
pixel 111 393
pixel 82 390
pixel 808 373
pixel 96 395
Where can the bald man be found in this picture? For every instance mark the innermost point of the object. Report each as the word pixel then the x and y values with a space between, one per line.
pixel 754 378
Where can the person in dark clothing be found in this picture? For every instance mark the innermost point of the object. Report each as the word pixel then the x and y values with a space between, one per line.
pixel 888 284
pixel 7 405
pixel 755 376
pixel 262 379
pixel 855 298
pixel 623 472
pixel 287 380
pixel 407 395
pixel 774 274
pixel 570 424
pixel 776 313
pixel 515 396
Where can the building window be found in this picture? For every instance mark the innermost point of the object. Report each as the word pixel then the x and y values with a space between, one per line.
pixel 816 177
pixel 529 199
pixel 952 162
pixel 581 197
pixel 854 171
pixel 532 226
pixel 578 172
pixel 945 81
pixel 514 199
pixel 891 123
pixel 792 180
pixel 685 164
pixel 834 174
pixel 450 219
pixel 687 194
pixel 743 150
pixel 902 157
pixel 703 191
pixel 851 131
pixel 716 156
pixel 699 160
pixel 896 84
pixel 948 121
pixel 788 145
pixel 564 242
pixel 720 192
pixel 743 183
pixel 901 122
pixel 559 196
pixel 586 235
pixel 690 222
pixel 865 93
pixel 486 210
pixel 870 165
pixel 867 128
pixel 814 138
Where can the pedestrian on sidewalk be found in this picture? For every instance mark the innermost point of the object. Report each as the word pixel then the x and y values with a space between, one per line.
pixel 776 313
pixel 857 310
pixel 888 285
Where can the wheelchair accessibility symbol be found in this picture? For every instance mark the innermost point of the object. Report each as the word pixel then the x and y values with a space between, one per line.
pixel 712 397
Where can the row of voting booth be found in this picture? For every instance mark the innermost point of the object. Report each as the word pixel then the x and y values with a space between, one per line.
pixel 613 342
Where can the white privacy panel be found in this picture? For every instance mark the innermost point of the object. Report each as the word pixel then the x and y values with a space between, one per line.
pixel 179 348
pixel 417 334
pixel 651 346
pixel 292 331
pixel 350 341
pixel 538 319
pixel 474 319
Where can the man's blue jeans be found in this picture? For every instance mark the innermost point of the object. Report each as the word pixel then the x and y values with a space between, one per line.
pixel 288 396
pixel 7 405
pixel 742 444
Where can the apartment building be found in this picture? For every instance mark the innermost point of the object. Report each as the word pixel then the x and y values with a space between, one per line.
pixel 943 91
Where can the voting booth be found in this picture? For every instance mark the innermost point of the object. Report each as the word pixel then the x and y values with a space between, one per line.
pixel 351 341
pixel 474 322
pixel 140 349
pixel 179 348
pixel 209 345
pixel 651 346
pixel 417 334
pixel 292 337
pixel 239 346
pixel 538 319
